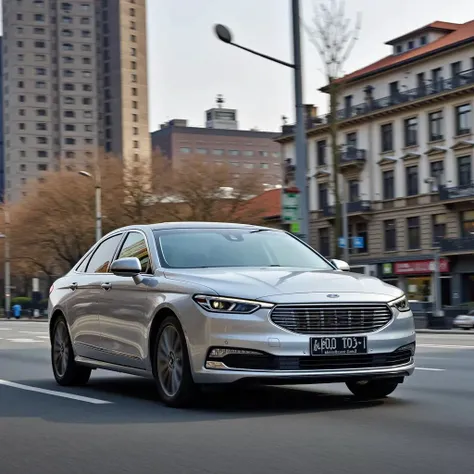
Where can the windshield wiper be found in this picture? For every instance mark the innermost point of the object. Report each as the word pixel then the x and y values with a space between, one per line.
pixel 259 230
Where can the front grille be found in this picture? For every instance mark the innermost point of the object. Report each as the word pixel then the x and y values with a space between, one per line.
pixel 332 319
pixel 359 361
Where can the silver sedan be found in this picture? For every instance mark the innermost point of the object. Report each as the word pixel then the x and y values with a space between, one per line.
pixel 190 304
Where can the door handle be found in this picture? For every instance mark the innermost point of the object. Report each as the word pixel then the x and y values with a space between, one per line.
pixel 106 286
pixel 73 286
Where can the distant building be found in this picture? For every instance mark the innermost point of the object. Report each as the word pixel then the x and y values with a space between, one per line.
pixel 406 134
pixel 2 158
pixel 221 141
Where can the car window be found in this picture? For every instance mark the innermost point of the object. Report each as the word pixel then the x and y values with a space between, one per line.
pixel 100 261
pixel 135 246
pixel 235 248
pixel 82 267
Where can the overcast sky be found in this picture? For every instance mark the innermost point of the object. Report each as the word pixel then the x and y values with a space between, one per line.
pixel 188 66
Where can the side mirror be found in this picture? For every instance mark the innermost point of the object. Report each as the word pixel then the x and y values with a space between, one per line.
pixel 341 265
pixel 126 267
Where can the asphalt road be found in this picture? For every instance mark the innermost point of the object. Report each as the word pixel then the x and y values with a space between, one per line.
pixel 427 426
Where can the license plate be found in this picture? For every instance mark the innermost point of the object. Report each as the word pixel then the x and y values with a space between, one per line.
pixel 338 345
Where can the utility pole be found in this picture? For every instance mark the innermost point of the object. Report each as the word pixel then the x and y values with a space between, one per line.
pixel 6 236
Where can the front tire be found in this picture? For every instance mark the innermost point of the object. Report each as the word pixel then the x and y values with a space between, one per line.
pixel 65 369
pixel 172 368
pixel 372 389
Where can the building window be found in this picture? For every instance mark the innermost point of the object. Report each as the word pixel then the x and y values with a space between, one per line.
pixel 467 223
pixel 134 91
pixel 218 152
pixel 413 227
pixel 463 119
pixel 386 131
pixel 412 180
pixel 69 113
pixel 40 85
pixel 411 131
pixel 133 38
pixel 321 152
pixel 185 149
pixel 86 47
pixel 248 153
pixel 439 228
pixel 67 19
pixel 40 57
pixel 135 104
pixel 85 33
pixel 133 51
pixel 201 151
pixel 39 17
pixel 324 243
pixel 353 190
pixel 41 126
pixel 87 101
pixel 68 59
pixel 135 131
pixel 40 71
pixel 21 126
pixel 411 44
pixel 133 25
pixel 423 40
pixel 437 170
pixel 67 7
pixel 323 195
pixel 390 235
pixel 19 44
pixel 69 100
pixel 88 128
pixel 41 112
pixel 86 87
pixel 132 11
pixel 68 73
pixel 40 44
pixel 464 170
pixel 86 61
pixel 41 98
pixel 360 231
pixel 435 126
pixel 67 33
pixel 88 114
pixel 42 167
pixel 38 31
pixel 42 140
pixel 68 47
pixel 136 144
pixel 85 20
pixel 264 166
pixel 68 86
pixel 70 141
pixel 388 178
pixel 42 154
pixel 69 127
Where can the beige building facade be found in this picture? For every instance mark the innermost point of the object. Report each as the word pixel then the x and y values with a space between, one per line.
pixel 74 85
pixel 406 137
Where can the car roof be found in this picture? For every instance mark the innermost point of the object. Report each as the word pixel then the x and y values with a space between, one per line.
pixel 193 225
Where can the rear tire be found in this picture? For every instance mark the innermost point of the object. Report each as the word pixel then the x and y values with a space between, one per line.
pixel 172 368
pixel 372 389
pixel 65 369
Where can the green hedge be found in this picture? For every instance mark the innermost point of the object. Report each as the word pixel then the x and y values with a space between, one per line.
pixel 27 303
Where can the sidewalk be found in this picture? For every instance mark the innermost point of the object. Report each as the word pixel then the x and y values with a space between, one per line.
pixel 26 318
pixel 444 331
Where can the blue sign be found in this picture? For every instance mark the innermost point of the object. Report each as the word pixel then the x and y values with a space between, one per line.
pixel 358 242
pixel 342 243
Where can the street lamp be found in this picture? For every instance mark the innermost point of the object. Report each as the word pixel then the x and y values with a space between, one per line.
pixel 98 202
pixel 224 34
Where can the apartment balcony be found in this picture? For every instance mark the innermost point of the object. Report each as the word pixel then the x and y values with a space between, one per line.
pixel 353 208
pixel 456 194
pixel 352 159
pixel 461 83
pixel 456 246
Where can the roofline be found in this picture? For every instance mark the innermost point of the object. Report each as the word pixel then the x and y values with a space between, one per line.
pixel 448 47
pixel 420 30
pixel 214 131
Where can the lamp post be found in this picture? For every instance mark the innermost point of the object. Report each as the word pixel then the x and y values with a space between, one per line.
pixel 224 34
pixel 98 202
pixel 436 181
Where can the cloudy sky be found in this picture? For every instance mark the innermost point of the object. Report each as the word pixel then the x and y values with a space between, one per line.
pixel 189 66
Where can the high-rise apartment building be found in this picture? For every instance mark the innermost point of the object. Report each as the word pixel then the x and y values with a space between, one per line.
pixel 75 83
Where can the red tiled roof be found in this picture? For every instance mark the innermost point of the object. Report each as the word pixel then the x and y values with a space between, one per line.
pixel 460 33
pixel 436 25
pixel 265 205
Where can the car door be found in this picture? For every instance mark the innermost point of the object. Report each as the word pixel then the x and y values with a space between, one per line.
pixel 124 308
pixel 86 292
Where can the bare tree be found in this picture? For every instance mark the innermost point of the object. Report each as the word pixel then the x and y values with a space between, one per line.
pixel 334 37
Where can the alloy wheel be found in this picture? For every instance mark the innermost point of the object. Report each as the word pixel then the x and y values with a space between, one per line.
pixel 170 361
pixel 61 349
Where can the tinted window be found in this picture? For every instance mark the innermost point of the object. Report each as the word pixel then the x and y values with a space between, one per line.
pixel 235 248
pixel 135 246
pixel 82 267
pixel 100 261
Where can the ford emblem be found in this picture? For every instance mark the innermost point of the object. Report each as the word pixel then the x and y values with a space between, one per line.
pixel 332 295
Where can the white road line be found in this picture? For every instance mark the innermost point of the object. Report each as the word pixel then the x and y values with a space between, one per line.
pixel 5 329
pixel 21 340
pixel 33 332
pixel 44 391
pixel 42 337
pixel 445 346
pixel 430 369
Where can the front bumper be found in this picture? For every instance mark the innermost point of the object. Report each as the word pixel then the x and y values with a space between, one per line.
pixel 288 358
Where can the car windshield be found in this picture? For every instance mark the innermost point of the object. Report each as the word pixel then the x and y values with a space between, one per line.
pixel 196 248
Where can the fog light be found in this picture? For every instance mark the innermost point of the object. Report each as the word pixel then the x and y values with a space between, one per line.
pixel 409 347
pixel 219 353
pixel 213 364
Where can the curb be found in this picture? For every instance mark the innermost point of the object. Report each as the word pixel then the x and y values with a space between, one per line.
pixel 25 319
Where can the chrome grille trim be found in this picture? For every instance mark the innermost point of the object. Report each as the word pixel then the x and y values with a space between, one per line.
pixel 330 318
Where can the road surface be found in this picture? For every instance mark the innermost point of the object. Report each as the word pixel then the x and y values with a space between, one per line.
pixel 116 425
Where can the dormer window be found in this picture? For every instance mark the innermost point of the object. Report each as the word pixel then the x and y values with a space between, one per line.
pixel 399 49
pixel 411 44
pixel 423 40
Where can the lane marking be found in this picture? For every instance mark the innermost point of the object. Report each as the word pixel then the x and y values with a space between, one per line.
pixel 5 329
pixel 79 398
pixel 33 332
pixel 23 340
pixel 430 369
pixel 445 346
pixel 42 337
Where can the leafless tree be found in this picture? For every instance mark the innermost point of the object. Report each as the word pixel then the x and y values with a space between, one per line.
pixel 334 36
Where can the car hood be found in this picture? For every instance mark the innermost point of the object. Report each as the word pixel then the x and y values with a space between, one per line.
pixel 288 284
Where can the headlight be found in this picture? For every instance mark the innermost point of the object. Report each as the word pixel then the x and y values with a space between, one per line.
pixel 221 304
pixel 401 304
